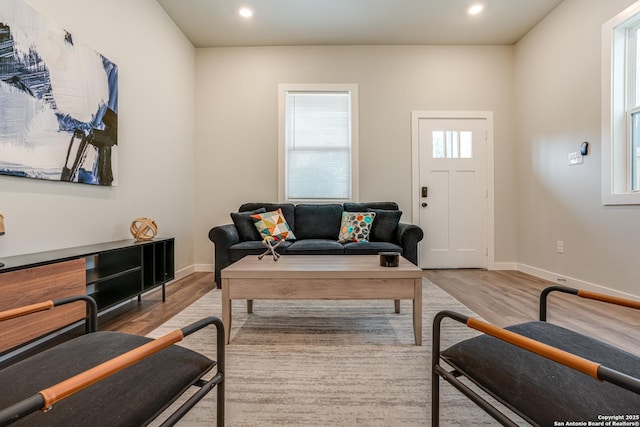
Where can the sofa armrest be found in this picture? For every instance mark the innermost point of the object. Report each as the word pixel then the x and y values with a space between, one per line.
pixel 223 237
pixel 408 236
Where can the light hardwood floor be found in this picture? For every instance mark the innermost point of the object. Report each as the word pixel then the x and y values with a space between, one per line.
pixel 508 297
pixel 500 297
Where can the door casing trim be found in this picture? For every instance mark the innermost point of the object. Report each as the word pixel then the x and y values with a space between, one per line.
pixel 415 169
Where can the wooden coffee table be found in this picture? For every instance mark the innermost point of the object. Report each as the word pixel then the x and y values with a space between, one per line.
pixel 332 277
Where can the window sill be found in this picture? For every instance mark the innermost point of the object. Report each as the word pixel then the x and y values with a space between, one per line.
pixel 621 199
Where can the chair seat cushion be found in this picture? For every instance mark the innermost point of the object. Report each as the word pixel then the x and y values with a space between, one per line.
pixel 130 397
pixel 543 390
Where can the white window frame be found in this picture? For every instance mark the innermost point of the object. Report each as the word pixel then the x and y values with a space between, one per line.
pixel 616 124
pixel 283 89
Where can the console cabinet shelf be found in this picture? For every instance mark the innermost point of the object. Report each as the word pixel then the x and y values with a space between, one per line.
pixel 114 272
pixel 111 273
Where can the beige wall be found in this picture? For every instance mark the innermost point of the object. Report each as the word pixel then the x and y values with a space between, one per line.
pixel 558 107
pixel 156 92
pixel 236 120
pixel 544 92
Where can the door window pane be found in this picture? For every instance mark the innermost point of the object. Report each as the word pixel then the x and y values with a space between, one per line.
pixel 466 145
pixel 438 144
pixel 452 144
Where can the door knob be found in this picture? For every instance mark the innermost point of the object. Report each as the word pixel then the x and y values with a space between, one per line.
pixel 424 205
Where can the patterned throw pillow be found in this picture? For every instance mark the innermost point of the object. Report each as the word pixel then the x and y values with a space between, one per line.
pixel 273 224
pixel 355 226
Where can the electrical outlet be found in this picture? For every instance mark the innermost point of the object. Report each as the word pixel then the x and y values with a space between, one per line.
pixel 560 246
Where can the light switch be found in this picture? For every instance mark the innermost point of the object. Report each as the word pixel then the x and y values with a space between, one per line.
pixel 575 159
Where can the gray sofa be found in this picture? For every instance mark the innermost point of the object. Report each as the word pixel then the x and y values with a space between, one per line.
pixel 316 228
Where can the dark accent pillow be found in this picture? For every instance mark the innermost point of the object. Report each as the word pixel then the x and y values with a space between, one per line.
pixel 384 225
pixel 244 223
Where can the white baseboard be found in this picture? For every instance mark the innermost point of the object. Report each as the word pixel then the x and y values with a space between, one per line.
pixel 193 268
pixel 503 266
pixel 184 272
pixel 203 268
pixel 561 279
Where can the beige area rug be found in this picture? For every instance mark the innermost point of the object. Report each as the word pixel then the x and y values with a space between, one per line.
pixel 328 363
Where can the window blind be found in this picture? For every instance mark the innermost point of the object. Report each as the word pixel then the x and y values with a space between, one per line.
pixel 318 145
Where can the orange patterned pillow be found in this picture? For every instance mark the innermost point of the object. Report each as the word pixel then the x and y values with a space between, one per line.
pixel 273 224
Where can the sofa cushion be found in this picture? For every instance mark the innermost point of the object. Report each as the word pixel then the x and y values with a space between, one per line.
pixel 355 226
pixel 315 247
pixel 362 207
pixel 370 248
pixel 318 221
pixel 385 224
pixel 244 223
pixel 273 224
pixel 253 247
pixel 287 210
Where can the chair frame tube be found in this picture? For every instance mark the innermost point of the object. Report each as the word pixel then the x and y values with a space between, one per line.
pixel 587 367
pixel 45 399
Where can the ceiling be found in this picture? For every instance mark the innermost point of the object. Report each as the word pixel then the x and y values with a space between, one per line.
pixel 214 23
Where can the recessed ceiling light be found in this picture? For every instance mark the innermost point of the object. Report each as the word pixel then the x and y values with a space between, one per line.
pixel 475 9
pixel 245 12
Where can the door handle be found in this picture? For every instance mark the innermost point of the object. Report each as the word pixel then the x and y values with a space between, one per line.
pixel 424 205
pixel 424 192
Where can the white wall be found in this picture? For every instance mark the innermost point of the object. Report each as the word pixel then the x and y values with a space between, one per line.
pixel 155 141
pixel 236 120
pixel 558 107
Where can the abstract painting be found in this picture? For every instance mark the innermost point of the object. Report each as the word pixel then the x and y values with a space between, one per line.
pixel 58 102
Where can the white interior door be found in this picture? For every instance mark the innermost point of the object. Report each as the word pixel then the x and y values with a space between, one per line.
pixel 453 192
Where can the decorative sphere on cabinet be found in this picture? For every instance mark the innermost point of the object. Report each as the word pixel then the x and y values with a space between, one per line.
pixel 143 229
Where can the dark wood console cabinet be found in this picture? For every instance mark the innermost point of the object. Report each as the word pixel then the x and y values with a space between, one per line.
pixel 111 273
pixel 119 271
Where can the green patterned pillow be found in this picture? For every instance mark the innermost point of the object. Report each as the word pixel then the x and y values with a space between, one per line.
pixel 355 226
pixel 273 224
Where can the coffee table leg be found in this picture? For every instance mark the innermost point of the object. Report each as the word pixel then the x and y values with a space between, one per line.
pixel 396 304
pixel 417 311
pixel 226 310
